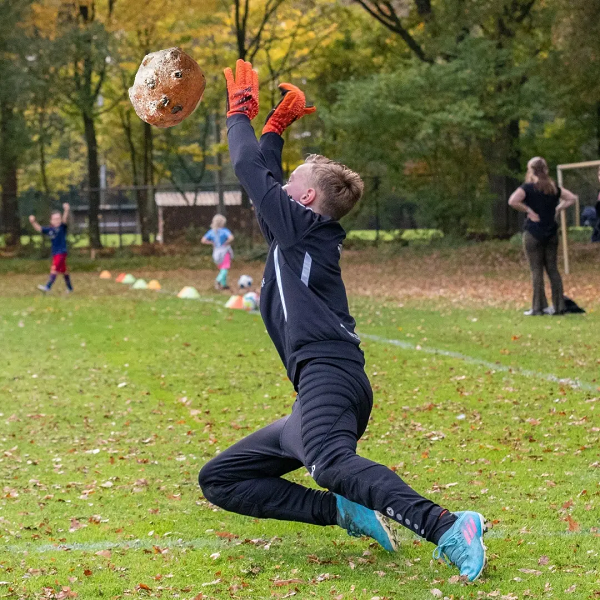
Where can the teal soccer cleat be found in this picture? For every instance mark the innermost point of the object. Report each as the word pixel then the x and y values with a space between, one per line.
pixel 462 545
pixel 358 520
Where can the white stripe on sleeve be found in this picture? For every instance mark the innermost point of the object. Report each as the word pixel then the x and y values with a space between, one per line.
pixel 306 269
pixel 279 284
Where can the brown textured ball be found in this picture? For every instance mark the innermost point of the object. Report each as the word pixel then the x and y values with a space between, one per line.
pixel 168 87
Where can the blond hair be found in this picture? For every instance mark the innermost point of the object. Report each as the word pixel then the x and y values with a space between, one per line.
pixel 218 222
pixel 341 188
pixel 539 175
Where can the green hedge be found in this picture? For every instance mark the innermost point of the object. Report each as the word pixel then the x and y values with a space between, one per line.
pixel 407 235
pixel 575 234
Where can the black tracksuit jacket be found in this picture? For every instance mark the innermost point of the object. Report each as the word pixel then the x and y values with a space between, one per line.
pixel 303 299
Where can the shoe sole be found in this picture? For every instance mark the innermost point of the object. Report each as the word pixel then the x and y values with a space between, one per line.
pixel 484 530
pixel 389 530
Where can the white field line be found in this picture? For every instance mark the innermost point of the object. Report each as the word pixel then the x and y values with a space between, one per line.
pixel 573 383
pixel 136 544
pixel 211 543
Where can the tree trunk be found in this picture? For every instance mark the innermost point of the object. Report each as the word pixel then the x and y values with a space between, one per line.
pixel 145 200
pixel 504 160
pixel 220 192
pixel 8 179
pixel 141 193
pixel 514 177
pixel 93 181
pixel 598 126
pixel 10 205
pixel 42 147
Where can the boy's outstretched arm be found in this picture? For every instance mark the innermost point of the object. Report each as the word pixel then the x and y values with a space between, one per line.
pixel 290 108
pixel 271 145
pixel 66 211
pixel 35 224
pixel 285 219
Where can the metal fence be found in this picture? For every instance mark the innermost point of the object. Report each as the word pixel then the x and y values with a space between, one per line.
pixel 175 213
pixel 119 211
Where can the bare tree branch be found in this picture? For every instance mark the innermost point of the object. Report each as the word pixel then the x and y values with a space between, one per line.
pixel 270 9
pixel 525 11
pixel 384 12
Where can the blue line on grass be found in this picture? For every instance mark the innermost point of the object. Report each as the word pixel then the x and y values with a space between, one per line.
pixel 573 383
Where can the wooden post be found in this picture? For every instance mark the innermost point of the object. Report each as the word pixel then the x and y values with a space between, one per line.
pixel 563 217
pixel 161 226
pixel 563 226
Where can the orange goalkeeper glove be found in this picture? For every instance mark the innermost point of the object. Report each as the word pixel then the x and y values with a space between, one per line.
pixel 242 92
pixel 291 107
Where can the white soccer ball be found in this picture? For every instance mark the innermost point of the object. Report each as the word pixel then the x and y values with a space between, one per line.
pixel 251 301
pixel 245 282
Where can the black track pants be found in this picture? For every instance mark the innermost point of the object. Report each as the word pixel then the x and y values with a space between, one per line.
pixel 328 418
pixel 543 255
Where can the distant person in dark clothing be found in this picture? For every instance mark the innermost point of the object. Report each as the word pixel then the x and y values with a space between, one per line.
pixel 542 200
pixel 596 232
pixel 589 216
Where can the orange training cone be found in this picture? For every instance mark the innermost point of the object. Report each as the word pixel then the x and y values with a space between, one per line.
pixel 236 302
pixel 120 277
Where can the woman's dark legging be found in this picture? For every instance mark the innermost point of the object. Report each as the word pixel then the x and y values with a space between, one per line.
pixel 542 254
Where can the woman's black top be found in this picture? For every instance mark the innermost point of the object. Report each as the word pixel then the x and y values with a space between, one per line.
pixel 545 206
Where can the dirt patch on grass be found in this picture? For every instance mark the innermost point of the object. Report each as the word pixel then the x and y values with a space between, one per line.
pixel 466 277
pixel 494 275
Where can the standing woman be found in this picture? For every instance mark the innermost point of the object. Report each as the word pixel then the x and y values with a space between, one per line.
pixel 543 201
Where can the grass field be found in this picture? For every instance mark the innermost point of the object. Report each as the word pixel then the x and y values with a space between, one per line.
pixel 112 400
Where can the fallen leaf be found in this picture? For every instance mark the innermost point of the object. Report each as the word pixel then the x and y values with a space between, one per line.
pixel 573 524
pixel 75 525
pixel 282 582
pixel 66 592
pixel 326 577
pixel 226 535
pixel 530 571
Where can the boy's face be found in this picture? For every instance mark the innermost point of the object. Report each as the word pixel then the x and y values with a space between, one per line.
pixel 55 219
pixel 299 186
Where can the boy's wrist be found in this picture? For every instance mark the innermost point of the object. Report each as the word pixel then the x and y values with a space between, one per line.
pixel 235 117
